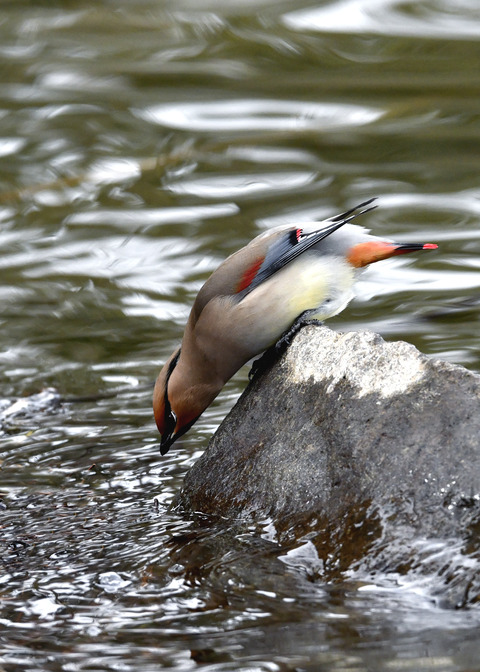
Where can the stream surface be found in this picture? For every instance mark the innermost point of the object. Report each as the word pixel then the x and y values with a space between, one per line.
pixel 141 142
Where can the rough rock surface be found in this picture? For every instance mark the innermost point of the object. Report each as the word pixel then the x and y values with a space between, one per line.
pixel 369 449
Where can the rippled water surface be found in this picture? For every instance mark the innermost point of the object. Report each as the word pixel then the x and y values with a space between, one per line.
pixel 140 143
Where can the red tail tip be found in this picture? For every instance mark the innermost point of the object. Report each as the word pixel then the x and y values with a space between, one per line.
pixel 430 246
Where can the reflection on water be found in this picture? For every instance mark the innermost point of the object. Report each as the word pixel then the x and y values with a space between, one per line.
pixel 392 17
pixel 140 144
pixel 260 115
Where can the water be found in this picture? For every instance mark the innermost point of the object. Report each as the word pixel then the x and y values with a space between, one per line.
pixel 140 143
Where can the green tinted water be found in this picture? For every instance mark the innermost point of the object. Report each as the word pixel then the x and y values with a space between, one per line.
pixel 140 143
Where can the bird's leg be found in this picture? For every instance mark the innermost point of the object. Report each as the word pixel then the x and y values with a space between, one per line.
pixel 276 350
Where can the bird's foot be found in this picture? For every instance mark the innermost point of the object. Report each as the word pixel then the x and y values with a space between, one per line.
pixel 275 351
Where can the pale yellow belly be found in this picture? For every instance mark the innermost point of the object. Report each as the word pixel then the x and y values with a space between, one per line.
pixel 322 285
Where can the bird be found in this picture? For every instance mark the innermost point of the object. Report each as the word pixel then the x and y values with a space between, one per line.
pixel 256 300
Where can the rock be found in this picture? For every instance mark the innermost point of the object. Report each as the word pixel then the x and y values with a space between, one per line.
pixel 369 449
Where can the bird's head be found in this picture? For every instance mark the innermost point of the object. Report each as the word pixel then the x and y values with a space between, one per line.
pixel 177 402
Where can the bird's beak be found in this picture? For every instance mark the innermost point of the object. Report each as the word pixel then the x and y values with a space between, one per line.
pixel 166 442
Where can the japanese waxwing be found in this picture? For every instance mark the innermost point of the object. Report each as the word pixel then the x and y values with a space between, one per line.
pixel 253 298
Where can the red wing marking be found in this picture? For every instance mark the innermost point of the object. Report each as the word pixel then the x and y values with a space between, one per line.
pixel 249 275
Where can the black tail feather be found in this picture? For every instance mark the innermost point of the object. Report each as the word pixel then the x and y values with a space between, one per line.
pixel 352 213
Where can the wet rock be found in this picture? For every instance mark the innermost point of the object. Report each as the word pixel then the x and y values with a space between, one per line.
pixel 368 449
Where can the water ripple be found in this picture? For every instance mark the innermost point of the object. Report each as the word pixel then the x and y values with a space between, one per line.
pixel 260 115
pixel 139 148
pixel 435 19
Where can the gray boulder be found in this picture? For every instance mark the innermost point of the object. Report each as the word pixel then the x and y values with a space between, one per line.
pixel 368 449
